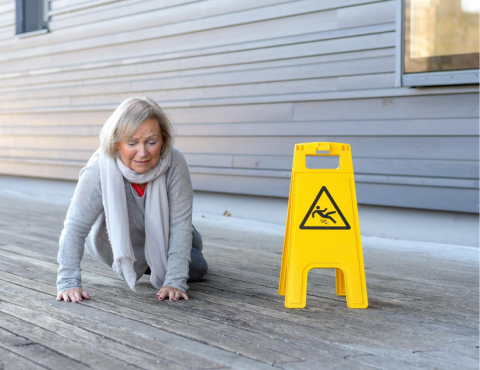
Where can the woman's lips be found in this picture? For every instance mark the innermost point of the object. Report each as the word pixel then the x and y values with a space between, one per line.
pixel 144 162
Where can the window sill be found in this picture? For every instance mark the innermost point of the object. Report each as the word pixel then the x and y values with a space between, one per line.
pixel 32 33
pixel 441 78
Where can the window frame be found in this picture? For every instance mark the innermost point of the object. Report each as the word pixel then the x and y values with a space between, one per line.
pixel 459 77
pixel 20 18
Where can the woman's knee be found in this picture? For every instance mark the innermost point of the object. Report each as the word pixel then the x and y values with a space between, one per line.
pixel 197 242
pixel 198 266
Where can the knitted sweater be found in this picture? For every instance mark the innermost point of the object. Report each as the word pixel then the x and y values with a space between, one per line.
pixel 86 206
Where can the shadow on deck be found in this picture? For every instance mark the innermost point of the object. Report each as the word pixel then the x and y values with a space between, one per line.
pixel 423 306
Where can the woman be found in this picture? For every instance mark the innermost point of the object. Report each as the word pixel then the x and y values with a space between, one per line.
pixel 132 208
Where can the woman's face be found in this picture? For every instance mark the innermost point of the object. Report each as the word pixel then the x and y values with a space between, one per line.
pixel 142 151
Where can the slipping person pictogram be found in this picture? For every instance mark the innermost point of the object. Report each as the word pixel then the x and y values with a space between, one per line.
pixel 320 206
pixel 324 215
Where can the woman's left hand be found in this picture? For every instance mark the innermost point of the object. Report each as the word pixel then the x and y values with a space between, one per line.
pixel 172 293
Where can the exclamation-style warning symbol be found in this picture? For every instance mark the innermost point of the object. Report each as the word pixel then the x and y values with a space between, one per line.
pixel 324 214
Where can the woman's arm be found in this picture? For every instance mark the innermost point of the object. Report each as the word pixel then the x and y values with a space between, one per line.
pixel 85 207
pixel 180 199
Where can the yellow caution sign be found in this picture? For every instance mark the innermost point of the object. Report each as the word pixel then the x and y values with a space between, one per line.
pixel 322 228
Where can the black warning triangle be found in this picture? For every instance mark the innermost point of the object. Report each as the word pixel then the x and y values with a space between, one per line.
pixel 326 218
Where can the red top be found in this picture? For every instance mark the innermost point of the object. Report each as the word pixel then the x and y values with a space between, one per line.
pixel 139 188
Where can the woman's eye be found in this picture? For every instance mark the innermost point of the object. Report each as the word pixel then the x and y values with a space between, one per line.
pixel 131 144
pixel 152 142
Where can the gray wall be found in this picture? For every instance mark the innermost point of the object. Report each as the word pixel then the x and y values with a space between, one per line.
pixel 243 81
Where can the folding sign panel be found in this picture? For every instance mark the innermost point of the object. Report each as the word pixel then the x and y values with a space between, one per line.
pixel 322 228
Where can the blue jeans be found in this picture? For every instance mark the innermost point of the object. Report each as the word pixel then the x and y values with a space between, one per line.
pixel 198 265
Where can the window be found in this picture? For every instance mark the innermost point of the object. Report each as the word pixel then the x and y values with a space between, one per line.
pixel 439 42
pixel 30 16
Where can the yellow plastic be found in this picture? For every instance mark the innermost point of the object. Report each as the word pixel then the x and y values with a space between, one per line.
pixel 322 228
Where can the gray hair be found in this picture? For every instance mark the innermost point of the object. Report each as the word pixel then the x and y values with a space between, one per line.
pixel 126 119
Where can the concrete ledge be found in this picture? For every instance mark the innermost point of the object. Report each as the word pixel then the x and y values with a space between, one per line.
pixel 385 222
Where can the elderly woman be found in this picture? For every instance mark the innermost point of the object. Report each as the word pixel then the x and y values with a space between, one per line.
pixel 132 208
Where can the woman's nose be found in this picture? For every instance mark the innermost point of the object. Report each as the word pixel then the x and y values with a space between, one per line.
pixel 142 151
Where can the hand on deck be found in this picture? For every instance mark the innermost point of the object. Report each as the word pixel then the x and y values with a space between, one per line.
pixel 74 295
pixel 172 293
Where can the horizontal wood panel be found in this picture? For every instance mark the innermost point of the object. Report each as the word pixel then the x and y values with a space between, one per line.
pixel 287 19
pixel 457 148
pixel 143 49
pixel 49 171
pixel 189 65
pixel 381 166
pixel 448 148
pixel 447 199
pixel 54 119
pixel 363 178
pixel 429 106
pixel 166 12
pixel 393 127
pixel 270 174
pixel 441 127
pixel 282 80
pixel 452 199
pixel 47 154
pixel 188 19
pixel 366 14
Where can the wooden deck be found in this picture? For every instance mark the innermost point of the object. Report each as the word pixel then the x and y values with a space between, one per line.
pixel 423 310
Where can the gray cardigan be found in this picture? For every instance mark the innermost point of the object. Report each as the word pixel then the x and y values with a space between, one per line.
pixel 87 205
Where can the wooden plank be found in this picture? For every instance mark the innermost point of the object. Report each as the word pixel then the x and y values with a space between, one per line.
pixel 285 16
pixel 12 361
pixel 207 87
pixel 56 119
pixel 111 11
pixel 448 148
pixel 359 178
pixel 39 354
pixel 426 330
pixel 128 340
pixel 233 85
pixel 318 127
pixel 275 279
pixel 366 14
pixel 389 166
pixel 214 334
pixel 50 171
pixel 176 44
pixel 425 107
pixel 264 321
pixel 8 7
pixel 445 199
pixel 135 357
pixel 271 279
pixel 419 197
pixel 280 80
pixel 201 61
pixel 174 94
pixel 157 335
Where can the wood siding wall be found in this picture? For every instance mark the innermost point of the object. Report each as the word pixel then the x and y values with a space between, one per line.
pixel 243 81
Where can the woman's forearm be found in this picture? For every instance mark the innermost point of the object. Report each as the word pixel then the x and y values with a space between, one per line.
pixel 180 199
pixel 84 209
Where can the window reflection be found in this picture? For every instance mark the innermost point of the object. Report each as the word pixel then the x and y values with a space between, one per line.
pixel 441 35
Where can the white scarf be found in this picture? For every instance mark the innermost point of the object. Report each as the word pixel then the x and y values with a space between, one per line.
pixel 112 172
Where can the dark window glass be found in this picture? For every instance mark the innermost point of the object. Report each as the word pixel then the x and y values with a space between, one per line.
pixel 30 15
pixel 441 35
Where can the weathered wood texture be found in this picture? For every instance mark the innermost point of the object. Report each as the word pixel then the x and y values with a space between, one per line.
pixel 243 81
pixel 423 310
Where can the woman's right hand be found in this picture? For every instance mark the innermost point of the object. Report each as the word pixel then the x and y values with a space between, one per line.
pixel 74 295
